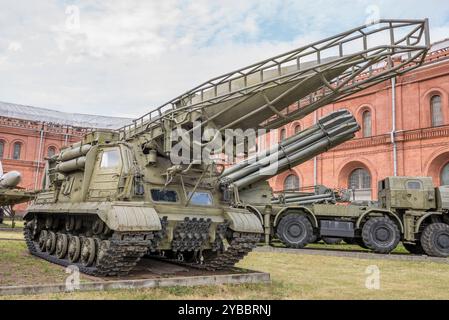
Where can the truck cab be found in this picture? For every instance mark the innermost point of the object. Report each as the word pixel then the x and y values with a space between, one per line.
pixel 407 193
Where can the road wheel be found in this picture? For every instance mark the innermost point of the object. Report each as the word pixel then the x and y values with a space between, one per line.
pixel 295 231
pixel 62 243
pixel 74 249
pixel 50 245
pixel 381 235
pixel 88 251
pixel 435 240
pixel 414 248
pixel 328 240
pixel 43 240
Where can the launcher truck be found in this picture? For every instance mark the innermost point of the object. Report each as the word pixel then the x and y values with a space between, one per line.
pixel 409 209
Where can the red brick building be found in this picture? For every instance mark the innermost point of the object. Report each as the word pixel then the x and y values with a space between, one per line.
pixel 28 135
pixel 405 131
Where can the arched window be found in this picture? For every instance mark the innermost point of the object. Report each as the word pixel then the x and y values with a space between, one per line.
pixel 17 150
pixel 2 149
pixel 445 175
pixel 367 124
pixel 359 179
pixel 297 128
pixel 360 182
pixel 51 152
pixel 283 135
pixel 436 111
pixel 291 183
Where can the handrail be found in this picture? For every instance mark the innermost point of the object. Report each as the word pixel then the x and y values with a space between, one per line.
pixel 407 39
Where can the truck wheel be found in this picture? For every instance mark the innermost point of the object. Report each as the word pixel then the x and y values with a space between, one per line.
pixel 295 231
pixel 435 240
pixel 381 235
pixel 328 240
pixel 414 248
pixel 360 243
pixel 314 238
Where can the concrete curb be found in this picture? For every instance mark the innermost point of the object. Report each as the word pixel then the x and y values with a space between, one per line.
pixel 210 280
pixel 352 254
pixel 9 239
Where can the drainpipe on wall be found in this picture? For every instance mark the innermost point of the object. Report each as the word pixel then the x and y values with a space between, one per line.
pixel 39 155
pixel 393 129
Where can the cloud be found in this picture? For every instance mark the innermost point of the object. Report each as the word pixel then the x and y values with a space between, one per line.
pixel 125 57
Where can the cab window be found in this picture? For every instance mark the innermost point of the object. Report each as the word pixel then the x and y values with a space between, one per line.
pixel 164 195
pixel 110 159
pixel 414 185
pixel 200 198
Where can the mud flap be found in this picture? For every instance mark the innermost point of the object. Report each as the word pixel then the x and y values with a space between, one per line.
pixel 243 221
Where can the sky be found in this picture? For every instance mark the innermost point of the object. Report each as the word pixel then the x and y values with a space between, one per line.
pixel 127 57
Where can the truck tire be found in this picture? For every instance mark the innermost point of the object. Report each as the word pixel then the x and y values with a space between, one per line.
pixel 295 231
pixel 414 248
pixel 381 235
pixel 328 240
pixel 314 238
pixel 360 243
pixel 435 240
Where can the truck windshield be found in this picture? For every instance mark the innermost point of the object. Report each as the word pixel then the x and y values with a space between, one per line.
pixel 414 185
pixel 164 195
pixel 201 198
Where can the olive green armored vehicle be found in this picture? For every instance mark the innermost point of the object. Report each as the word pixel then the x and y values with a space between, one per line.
pixel 155 188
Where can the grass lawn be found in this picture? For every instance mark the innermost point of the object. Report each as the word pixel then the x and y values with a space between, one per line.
pixel 293 277
pixel 8 223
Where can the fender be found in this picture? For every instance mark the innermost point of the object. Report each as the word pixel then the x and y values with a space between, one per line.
pixel 256 212
pixel 304 209
pixel 424 217
pixel 387 212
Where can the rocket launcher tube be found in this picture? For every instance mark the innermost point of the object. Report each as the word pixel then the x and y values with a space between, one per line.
pixel 297 158
pixel 329 132
pixel 332 119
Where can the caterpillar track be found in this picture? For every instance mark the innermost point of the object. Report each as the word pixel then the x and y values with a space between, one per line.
pixel 120 258
pixel 119 253
pixel 239 246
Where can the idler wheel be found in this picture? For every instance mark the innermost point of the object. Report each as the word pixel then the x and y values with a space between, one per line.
pixel 62 244
pixel 102 251
pixel 50 245
pixel 74 249
pixel 88 251
pixel 43 240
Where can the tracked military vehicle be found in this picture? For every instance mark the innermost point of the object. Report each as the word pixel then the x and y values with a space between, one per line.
pixel 117 196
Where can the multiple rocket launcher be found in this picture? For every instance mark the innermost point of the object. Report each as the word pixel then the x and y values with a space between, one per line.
pixel 329 132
